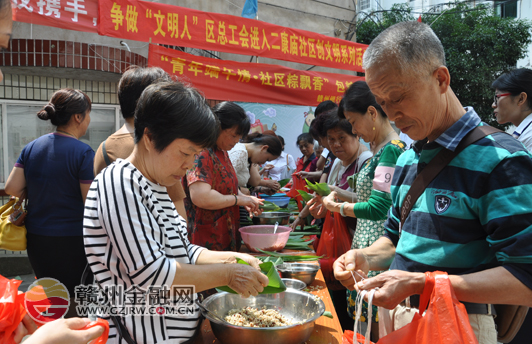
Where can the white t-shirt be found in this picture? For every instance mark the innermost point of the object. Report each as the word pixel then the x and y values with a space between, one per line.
pixel 239 158
pixel 133 237
pixel 524 132
pixel 280 165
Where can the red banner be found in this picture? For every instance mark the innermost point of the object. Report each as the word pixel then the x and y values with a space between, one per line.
pixel 251 82
pixel 184 27
pixel 79 15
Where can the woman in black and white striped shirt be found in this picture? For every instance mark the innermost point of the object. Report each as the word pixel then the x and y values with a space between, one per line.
pixel 136 241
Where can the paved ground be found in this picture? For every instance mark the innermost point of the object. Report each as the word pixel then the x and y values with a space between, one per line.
pixel 27 280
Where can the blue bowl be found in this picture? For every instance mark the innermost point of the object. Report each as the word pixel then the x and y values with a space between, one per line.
pixel 277 195
pixel 281 202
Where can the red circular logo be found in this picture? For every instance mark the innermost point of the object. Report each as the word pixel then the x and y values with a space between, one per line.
pixel 47 300
pixel 160 310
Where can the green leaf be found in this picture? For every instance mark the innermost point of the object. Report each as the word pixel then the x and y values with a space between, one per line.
pixel 275 284
pixel 269 206
pixel 305 195
pixel 283 182
pixel 327 314
pixel 321 189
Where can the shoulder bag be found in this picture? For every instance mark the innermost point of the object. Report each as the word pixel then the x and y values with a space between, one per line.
pixel 12 228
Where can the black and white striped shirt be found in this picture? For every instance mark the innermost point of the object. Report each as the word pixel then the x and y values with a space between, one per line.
pixel 131 238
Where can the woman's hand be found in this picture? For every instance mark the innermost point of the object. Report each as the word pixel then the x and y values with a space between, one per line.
pixel 68 331
pixel 317 210
pixel 272 184
pixel 254 262
pixel 303 174
pixel 251 204
pixel 267 191
pixel 246 280
pixel 330 203
pixel 299 221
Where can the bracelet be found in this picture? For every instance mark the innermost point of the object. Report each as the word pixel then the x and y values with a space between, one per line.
pixel 236 200
pixel 342 209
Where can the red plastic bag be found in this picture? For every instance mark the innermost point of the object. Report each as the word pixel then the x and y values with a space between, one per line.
pixel 298 183
pixel 11 309
pixel 347 338
pixel 105 335
pixel 446 319
pixel 335 240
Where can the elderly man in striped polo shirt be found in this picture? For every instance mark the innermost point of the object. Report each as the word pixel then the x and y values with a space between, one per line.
pixel 474 220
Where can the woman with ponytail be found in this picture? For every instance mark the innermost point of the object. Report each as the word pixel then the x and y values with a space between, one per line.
pixel 55 171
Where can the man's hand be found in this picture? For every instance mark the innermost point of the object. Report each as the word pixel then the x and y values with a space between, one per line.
pixel 394 286
pixel 352 260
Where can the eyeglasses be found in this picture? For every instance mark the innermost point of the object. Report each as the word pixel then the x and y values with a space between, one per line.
pixel 497 96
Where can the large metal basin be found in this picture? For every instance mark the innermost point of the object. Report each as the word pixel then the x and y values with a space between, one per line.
pixel 295 304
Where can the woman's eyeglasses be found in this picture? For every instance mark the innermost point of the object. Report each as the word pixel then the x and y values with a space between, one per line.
pixel 497 96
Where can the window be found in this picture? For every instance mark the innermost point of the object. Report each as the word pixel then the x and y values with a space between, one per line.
pixel 22 126
pixel 364 4
pixel 506 9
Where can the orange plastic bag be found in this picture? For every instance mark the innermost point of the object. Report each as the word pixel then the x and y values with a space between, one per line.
pixel 11 309
pixel 105 335
pixel 445 321
pixel 335 240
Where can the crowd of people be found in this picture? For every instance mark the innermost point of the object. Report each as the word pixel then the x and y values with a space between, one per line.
pixel 161 201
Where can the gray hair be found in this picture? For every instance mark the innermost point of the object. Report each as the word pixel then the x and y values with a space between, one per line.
pixel 412 46
pixel 316 145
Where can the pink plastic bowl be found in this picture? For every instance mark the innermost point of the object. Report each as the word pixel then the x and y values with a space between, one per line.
pixel 262 237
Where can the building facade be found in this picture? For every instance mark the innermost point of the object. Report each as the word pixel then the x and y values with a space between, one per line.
pixel 44 59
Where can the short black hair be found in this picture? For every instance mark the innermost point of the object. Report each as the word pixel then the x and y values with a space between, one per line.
pixel 515 82
pixel 172 110
pixel 358 98
pixel 306 137
pixel 272 141
pixel 324 107
pixel 133 82
pixel 317 127
pixel 232 115
pixel 333 121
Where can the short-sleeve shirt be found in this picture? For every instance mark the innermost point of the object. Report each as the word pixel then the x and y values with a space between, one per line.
pixel 133 238
pixel 283 167
pixel 215 229
pixel 117 146
pixel 54 167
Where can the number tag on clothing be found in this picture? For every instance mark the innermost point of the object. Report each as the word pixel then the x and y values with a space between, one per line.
pixel 383 178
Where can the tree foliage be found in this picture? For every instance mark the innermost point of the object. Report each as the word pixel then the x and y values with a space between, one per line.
pixel 479 47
